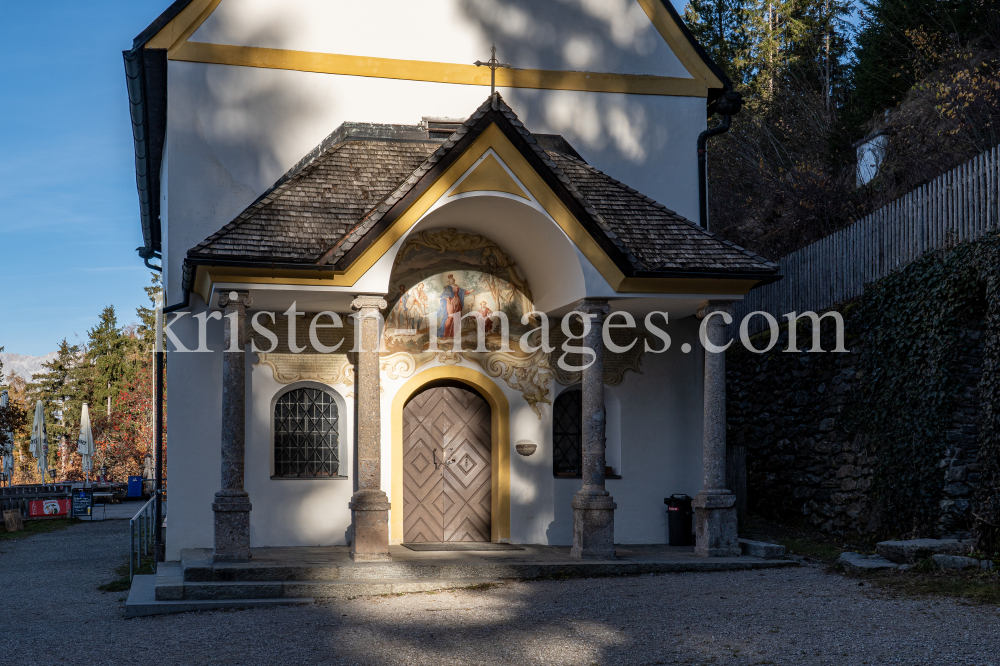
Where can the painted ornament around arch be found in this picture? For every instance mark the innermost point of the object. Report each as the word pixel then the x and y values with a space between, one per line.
pixel 450 286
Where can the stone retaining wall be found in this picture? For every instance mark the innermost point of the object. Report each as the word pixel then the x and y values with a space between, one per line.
pixel 787 410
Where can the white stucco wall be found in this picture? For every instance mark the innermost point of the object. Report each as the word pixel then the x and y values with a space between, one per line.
pixel 194 432
pixel 296 512
pixel 233 131
pixel 654 442
pixel 658 434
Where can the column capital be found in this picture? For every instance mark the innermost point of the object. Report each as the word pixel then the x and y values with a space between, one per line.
pixel 595 306
pixel 365 303
pixel 708 307
pixel 235 298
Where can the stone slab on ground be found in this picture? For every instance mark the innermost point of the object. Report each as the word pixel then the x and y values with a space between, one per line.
pixel 859 562
pixel 911 550
pixel 142 601
pixel 961 562
pixel 762 549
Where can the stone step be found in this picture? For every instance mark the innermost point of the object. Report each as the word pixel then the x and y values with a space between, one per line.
pixel 142 601
pixel 320 589
pixel 195 572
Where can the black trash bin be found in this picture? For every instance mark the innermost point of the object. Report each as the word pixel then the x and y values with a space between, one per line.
pixel 679 515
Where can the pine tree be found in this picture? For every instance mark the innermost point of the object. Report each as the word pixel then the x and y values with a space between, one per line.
pixel 720 26
pixel 147 316
pixel 59 393
pixel 109 360
pixel 888 61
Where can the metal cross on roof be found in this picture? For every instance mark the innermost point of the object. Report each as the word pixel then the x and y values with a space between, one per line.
pixel 493 64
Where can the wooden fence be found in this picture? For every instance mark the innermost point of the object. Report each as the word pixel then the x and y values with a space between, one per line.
pixel 957 206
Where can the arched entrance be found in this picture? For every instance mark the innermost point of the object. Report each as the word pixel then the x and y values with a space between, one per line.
pixel 447 465
pixel 499 448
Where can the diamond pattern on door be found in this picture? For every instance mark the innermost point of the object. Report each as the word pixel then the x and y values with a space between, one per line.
pixel 448 499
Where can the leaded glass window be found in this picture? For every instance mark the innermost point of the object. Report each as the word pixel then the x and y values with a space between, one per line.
pixel 306 434
pixel 567 436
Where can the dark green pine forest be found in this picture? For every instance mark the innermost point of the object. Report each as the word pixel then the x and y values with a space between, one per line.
pixel 817 77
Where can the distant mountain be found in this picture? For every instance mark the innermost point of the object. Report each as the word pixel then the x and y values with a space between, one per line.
pixel 25 366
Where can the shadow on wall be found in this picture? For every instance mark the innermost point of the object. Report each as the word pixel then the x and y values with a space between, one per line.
pixel 577 35
pixel 233 132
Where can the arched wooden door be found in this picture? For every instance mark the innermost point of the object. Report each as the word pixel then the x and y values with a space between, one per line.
pixel 447 468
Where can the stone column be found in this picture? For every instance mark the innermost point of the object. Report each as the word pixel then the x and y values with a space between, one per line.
pixel 593 508
pixel 369 504
pixel 715 506
pixel 232 503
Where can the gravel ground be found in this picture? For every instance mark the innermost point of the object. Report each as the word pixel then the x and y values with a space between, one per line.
pixel 55 615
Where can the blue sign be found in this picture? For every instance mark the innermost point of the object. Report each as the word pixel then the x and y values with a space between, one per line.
pixel 135 486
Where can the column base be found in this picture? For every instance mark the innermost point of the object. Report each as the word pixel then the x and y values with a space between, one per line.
pixel 593 526
pixel 371 526
pixel 715 525
pixel 232 526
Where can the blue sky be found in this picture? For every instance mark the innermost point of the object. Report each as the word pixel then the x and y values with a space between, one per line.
pixel 69 217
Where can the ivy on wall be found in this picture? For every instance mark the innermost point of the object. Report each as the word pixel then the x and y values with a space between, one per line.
pixel 911 321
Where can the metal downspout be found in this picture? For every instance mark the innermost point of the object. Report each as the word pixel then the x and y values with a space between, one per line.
pixel 728 105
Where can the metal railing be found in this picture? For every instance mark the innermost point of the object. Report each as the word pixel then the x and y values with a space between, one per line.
pixel 142 531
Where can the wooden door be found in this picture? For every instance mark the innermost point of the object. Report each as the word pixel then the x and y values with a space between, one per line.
pixel 447 468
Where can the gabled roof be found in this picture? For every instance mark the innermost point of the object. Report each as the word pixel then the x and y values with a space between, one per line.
pixel 329 209
pixel 167 38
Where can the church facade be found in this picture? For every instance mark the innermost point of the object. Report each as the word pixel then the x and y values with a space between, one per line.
pixel 396 314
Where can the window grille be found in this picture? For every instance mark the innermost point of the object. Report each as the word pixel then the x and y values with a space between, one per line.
pixel 306 434
pixel 567 436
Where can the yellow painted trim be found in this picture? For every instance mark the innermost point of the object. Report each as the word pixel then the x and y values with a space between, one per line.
pixel 678 43
pixel 203 284
pixel 489 176
pixel 182 26
pixel 436 72
pixel 491 138
pixel 500 446
pixel 207 277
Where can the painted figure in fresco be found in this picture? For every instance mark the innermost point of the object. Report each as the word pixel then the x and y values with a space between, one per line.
pixel 452 302
pixel 418 308
pixel 403 310
pixel 485 311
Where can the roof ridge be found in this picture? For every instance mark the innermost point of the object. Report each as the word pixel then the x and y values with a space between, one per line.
pixel 561 176
pixel 375 213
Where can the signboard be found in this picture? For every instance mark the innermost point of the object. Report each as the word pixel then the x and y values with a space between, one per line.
pixel 135 486
pixel 48 508
pixel 83 502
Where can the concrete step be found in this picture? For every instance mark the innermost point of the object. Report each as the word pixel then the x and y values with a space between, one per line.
pixel 142 601
pixel 320 589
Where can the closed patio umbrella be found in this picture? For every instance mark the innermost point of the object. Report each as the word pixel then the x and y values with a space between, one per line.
pixel 8 458
pixel 85 445
pixel 39 439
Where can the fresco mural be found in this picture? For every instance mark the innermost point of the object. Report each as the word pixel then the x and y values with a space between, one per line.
pixel 441 274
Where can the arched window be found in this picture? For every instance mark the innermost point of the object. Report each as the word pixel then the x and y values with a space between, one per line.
pixel 567 437
pixel 306 434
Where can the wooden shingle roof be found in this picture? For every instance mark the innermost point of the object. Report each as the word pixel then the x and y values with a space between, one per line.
pixel 331 205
